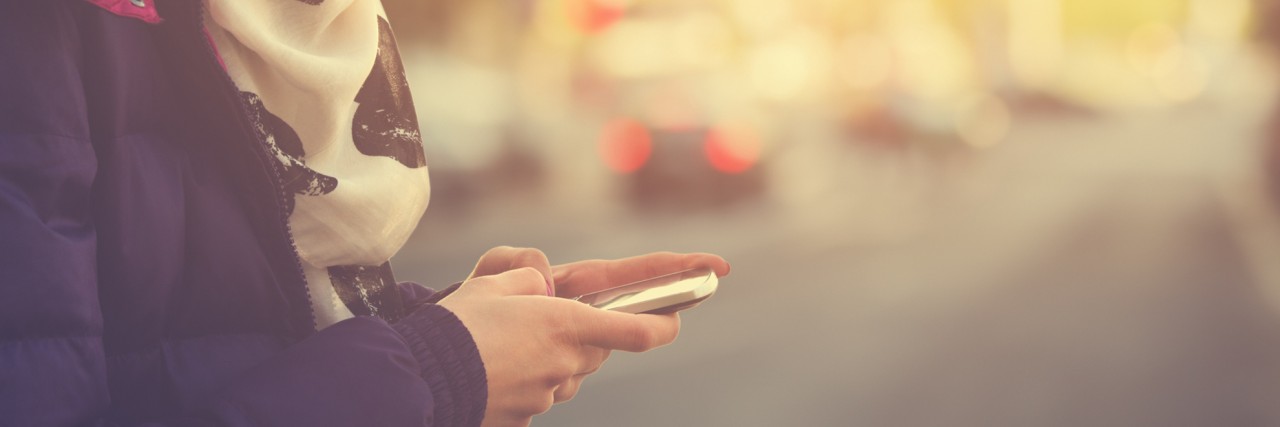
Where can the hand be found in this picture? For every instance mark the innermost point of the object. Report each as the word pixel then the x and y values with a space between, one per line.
pixel 533 346
pixel 584 277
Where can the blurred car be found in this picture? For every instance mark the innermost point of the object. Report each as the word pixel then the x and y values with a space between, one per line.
pixel 686 166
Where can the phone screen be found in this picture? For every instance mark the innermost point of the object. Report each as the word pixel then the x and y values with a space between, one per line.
pixel 654 288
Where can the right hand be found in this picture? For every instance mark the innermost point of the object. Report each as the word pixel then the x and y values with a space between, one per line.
pixel 532 344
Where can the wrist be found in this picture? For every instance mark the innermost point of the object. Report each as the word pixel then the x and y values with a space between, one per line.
pixel 450 364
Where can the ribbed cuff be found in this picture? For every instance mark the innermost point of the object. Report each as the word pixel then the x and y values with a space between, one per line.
pixel 451 364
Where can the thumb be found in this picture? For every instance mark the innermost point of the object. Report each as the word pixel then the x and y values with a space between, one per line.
pixel 504 258
pixel 521 281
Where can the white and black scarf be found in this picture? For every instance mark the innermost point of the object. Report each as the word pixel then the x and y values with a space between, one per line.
pixel 324 83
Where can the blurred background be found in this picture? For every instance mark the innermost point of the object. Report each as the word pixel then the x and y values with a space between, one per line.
pixel 939 212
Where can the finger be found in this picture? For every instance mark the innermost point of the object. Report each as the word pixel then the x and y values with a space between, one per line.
pixel 566 391
pixel 521 281
pixel 584 277
pixel 532 398
pixel 591 359
pixel 506 421
pixel 504 258
pixel 624 331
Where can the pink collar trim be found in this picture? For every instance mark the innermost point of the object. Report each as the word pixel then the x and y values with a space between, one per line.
pixel 140 9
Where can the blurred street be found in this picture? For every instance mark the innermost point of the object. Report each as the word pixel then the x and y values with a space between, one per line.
pixel 938 212
pixel 1067 278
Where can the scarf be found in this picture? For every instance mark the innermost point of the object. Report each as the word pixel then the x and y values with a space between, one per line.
pixel 323 83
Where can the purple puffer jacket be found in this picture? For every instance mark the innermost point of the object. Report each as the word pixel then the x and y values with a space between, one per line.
pixel 147 274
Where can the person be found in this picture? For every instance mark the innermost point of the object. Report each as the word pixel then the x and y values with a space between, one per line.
pixel 198 200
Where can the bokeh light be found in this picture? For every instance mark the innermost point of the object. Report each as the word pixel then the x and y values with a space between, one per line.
pixel 866 62
pixel 732 149
pixel 596 15
pixel 1036 41
pixel 790 66
pixel 625 145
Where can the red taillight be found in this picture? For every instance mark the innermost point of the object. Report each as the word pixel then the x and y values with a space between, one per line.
pixel 594 16
pixel 625 145
pixel 732 150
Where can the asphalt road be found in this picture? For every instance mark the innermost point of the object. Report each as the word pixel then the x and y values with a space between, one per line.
pixel 1091 271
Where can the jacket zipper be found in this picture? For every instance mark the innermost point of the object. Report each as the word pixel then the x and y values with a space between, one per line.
pixel 303 318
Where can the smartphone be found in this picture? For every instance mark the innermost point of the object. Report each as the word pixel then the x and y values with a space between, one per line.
pixel 659 295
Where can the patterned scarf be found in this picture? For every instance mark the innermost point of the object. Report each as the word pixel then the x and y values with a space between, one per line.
pixel 323 81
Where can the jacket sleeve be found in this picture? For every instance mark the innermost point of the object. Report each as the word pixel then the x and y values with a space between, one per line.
pixel 423 370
